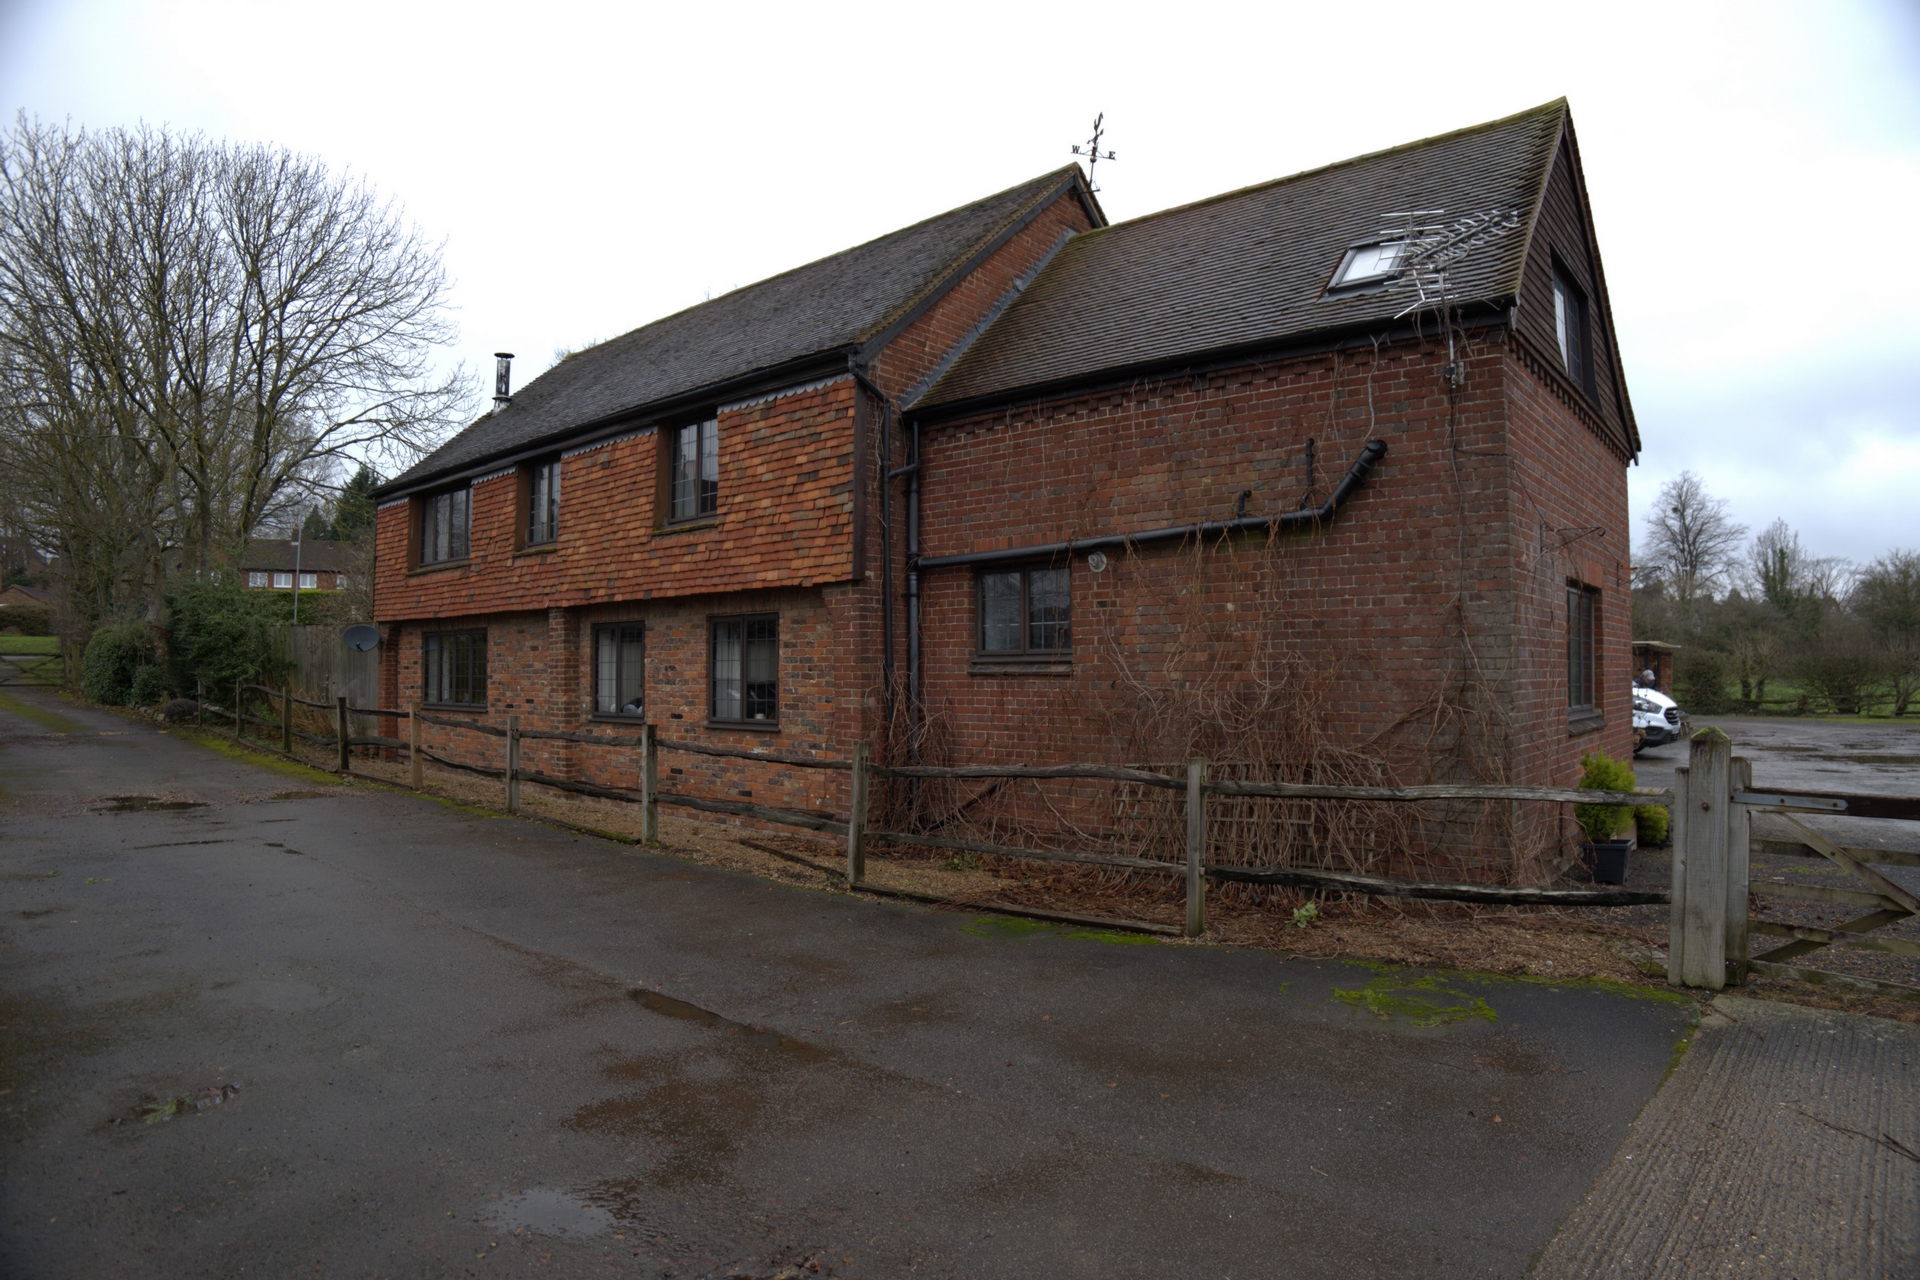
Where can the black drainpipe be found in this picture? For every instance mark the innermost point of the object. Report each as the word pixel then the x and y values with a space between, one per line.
pixel 913 581
pixel 886 533
pixel 1323 514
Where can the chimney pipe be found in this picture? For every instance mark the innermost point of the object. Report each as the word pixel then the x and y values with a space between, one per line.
pixel 502 380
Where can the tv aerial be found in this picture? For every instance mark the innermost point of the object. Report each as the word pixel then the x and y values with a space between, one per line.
pixel 1092 150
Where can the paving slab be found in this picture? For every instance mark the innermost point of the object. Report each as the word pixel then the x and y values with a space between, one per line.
pixel 1786 1144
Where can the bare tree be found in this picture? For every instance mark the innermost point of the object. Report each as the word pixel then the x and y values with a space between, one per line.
pixel 220 327
pixel 1691 540
pixel 1801 585
pixel 1886 598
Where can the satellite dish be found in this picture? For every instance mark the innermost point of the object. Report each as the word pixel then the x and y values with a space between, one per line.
pixel 362 637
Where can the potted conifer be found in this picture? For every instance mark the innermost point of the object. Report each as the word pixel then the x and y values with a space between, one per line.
pixel 1609 828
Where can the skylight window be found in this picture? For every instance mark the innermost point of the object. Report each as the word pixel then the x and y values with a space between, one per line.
pixel 1369 262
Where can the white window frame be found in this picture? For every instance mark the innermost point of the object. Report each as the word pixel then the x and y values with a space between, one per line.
pixel 257 579
pixel 283 581
pixel 1345 276
pixel 309 582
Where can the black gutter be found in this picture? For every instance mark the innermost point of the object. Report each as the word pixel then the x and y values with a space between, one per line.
pixel 1321 515
pixel 1493 314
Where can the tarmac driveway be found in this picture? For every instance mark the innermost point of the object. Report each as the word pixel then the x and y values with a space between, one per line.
pixel 397 1038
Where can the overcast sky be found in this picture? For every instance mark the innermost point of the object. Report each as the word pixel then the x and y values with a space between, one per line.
pixel 1754 169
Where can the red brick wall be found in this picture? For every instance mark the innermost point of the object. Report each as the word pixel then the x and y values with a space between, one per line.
pixel 1569 497
pixel 1427 584
pixel 539 667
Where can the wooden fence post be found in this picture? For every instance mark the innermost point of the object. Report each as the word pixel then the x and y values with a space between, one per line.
pixel 340 706
pixel 857 815
pixel 1704 915
pixel 1739 850
pixel 1196 847
pixel 286 718
pixel 649 784
pixel 513 764
pixel 236 709
pixel 1677 910
pixel 416 766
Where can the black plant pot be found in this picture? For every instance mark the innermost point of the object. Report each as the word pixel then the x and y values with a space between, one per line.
pixel 1607 860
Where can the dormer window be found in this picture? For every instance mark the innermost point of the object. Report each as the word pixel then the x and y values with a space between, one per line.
pixel 1367 263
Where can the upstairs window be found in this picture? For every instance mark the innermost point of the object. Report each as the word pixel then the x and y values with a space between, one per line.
pixel 1582 608
pixel 746 669
pixel 453 668
pixel 1570 327
pixel 1367 263
pixel 543 501
pixel 1024 612
pixel 619 670
pixel 445 522
pixel 695 471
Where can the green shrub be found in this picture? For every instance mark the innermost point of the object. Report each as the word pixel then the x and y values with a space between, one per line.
pixel 149 686
pixel 1603 773
pixel 27 619
pixel 1651 822
pixel 113 654
pixel 218 633
pixel 1848 679
pixel 1702 676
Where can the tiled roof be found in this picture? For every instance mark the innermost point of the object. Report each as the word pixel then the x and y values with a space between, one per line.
pixel 1252 266
pixel 316 556
pixel 822 307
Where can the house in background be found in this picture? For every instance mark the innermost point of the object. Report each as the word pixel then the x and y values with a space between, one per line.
pixel 21 594
pixel 1035 479
pixel 269 564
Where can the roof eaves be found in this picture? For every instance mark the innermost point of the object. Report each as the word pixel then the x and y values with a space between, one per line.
pixel 801 369
pixel 1478 314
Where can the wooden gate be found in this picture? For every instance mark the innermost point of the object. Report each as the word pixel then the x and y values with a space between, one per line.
pixel 1711 927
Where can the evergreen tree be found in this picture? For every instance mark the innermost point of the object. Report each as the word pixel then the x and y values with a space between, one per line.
pixel 353 514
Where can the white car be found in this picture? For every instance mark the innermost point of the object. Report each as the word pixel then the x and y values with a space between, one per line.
pixel 1657 719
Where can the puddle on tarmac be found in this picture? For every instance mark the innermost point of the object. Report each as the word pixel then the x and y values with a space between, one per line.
pixel 757 1037
pixel 553 1213
pixel 145 804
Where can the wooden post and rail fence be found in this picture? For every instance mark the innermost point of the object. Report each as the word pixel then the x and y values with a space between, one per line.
pixel 1712 806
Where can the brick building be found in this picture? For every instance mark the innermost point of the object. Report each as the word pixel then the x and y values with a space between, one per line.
pixel 274 564
pixel 1014 484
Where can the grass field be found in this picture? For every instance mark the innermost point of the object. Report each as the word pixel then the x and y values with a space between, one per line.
pixel 29 644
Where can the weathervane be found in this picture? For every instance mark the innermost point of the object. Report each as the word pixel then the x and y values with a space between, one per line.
pixel 1093 153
